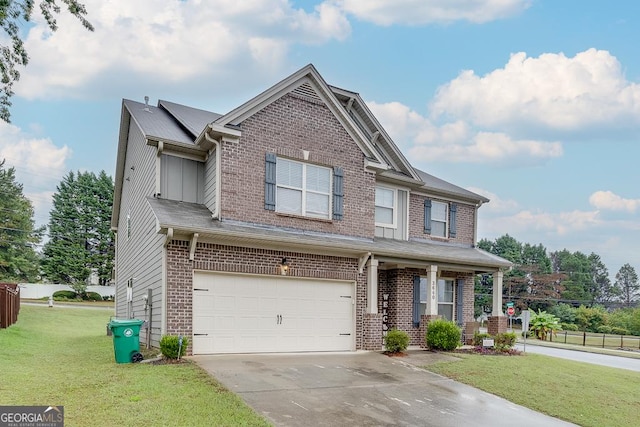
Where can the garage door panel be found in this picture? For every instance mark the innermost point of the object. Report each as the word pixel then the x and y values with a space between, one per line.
pixel 242 313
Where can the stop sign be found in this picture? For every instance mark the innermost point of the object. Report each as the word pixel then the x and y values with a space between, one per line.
pixel 511 311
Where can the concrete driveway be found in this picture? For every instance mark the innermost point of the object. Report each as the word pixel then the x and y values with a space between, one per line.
pixel 361 389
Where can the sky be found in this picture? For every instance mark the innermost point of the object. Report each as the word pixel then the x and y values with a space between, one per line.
pixel 534 104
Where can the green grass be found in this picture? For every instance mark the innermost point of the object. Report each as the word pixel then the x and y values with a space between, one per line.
pixel 62 356
pixel 595 340
pixel 585 394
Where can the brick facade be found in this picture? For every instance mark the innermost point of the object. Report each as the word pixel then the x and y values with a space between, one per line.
pixel 465 218
pixel 231 259
pixel 288 127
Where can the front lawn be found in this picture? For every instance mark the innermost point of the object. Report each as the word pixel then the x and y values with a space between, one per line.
pixel 62 356
pixel 584 394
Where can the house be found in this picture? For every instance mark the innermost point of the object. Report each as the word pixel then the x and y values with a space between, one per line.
pixel 291 223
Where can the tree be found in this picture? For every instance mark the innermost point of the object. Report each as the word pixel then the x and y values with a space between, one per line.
pixel 602 290
pixel 81 241
pixel 628 285
pixel 14 53
pixel 18 234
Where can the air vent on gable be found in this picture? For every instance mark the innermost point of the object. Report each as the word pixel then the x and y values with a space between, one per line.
pixel 306 91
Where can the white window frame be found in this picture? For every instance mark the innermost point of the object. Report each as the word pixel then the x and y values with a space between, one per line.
pixel 446 218
pixel 304 190
pixel 394 208
pixel 452 303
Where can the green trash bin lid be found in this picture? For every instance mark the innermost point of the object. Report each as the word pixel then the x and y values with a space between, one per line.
pixel 125 322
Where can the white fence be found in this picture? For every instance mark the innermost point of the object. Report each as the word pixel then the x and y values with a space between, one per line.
pixel 40 290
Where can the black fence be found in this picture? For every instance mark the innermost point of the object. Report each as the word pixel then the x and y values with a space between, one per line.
pixel 9 304
pixel 589 339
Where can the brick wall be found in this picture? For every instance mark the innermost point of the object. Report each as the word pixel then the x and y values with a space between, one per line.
pixel 212 257
pixel 286 127
pixel 465 216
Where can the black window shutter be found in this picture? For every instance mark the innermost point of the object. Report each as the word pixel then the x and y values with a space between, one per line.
pixel 338 193
pixel 459 302
pixel 452 221
pixel 270 182
pixel 416 301
pixel 427 216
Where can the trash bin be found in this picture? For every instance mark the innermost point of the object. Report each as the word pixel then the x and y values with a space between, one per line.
pixel 126 339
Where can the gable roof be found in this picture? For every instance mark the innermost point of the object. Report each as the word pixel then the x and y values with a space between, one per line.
pixel 156 122
pixel 192 119
pixel 309 81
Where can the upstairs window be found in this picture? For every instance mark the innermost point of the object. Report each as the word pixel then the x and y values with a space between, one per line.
pixel 303 189
pixel 438 219
pixel 385 207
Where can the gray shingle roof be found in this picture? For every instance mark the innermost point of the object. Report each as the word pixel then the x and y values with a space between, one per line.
pixel 193 119
pixel 157 123
pixel 187 218
pixel 442 186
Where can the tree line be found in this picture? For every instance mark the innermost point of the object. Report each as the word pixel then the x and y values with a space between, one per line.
pixel 78 241
pixel 540 280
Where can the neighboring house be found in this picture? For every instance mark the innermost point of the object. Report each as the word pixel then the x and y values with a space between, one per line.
pixel 292 223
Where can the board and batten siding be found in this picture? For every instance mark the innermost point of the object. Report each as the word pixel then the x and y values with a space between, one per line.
pixel 139 253
pixel 181 179
pixel 210 181
pixel 400 232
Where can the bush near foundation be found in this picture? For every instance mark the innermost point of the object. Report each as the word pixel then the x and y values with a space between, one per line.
pixel 443 335
pixel 170 346
pixel 396 341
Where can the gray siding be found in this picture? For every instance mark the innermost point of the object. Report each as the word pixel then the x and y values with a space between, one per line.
pixel 140 255
pixel 181 179
pixel 210 170
pixel 400 232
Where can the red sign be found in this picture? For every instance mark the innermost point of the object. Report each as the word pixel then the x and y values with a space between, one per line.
pixel 511 311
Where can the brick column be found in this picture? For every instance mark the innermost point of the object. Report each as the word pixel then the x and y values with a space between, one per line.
pixel 497 325
pixel 372 332
pixel 425 319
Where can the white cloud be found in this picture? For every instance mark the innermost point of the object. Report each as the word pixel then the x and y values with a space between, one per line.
pixel 417 12
pixel 541 223
pixel 607 200
pixel 172 41
pixel 457 141
pixel 496 204
pixel 552 91
pixel 39 164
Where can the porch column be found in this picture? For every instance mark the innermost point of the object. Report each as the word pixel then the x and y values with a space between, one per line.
pixel 372 285
pixel 497 294
pixel 432 291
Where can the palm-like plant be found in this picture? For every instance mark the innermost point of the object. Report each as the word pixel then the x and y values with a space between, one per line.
pixel 542 323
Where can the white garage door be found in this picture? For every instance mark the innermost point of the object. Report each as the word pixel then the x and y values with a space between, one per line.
pixel 256 314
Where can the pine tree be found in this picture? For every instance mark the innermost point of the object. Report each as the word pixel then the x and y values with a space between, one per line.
pixel 628 285
pixel 18 235
pixel 81 241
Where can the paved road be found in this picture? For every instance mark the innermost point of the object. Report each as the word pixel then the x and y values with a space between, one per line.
pixel 581 356
pixel 362 389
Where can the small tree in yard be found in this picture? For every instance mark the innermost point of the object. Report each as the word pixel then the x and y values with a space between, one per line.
pixel 543 323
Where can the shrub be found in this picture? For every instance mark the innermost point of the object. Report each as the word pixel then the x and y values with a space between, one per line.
pixel 505 341
pixel 619 331
pixel 64 295
pixel 604 329
pixel 169 345
pixel 443 335
pixel 569 327
pixel 478 337
pixel 93 296
pixel 543 323
pixel 396 341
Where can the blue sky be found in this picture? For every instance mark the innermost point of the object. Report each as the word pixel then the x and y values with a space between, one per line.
pixel 534 104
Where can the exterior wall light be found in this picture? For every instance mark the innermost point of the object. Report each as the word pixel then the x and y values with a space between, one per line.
pixel 284 266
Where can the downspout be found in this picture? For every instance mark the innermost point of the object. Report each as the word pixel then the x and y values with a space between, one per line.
pixel 158 166
pixel 216 212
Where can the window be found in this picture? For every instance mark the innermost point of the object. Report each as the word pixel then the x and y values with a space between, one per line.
pixel 445 298
pixel 385 207
pixel 438 219
pixel 303 189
